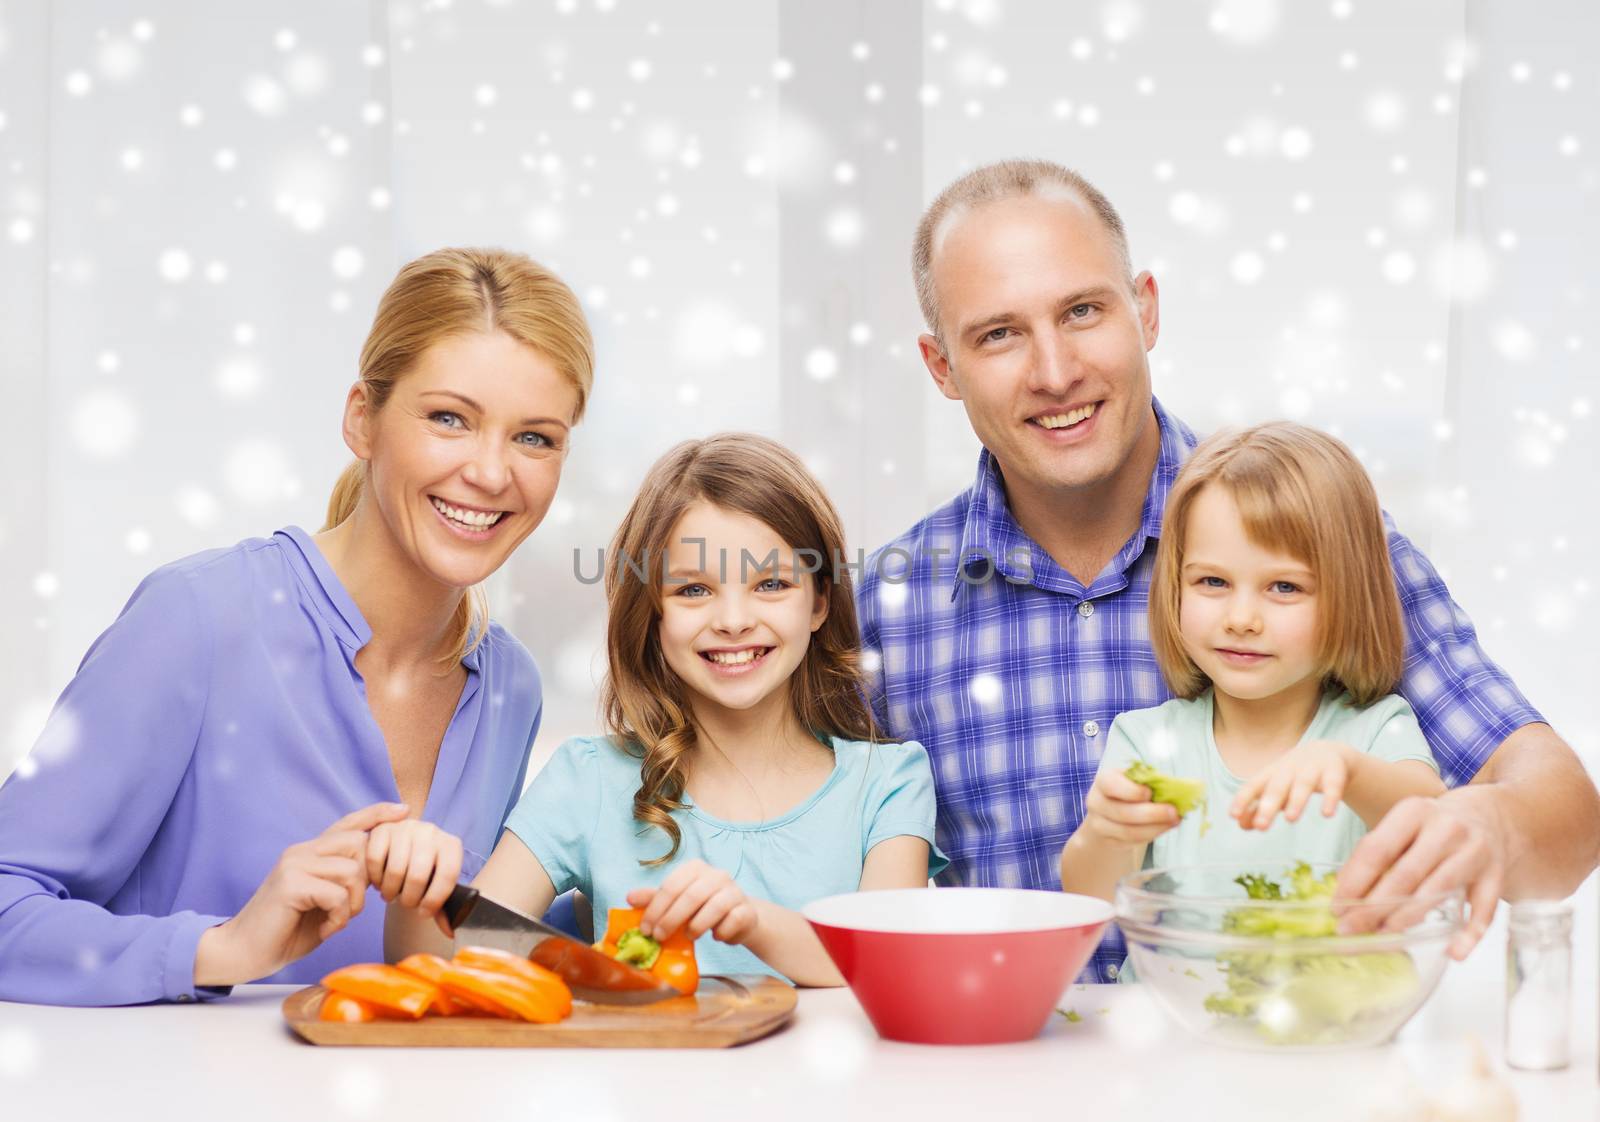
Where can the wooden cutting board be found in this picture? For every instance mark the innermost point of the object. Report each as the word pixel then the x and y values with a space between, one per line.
pixel 725 1011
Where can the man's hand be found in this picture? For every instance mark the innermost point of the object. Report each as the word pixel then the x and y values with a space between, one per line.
pixel 1425 846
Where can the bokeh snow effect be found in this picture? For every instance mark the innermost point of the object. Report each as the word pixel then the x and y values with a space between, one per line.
pixel 1359 218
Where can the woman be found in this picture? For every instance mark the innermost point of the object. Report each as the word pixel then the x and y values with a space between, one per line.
pixel 173 836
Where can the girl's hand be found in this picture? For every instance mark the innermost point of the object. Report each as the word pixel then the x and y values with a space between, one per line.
pixel 314 890
pixel 415 864
pixel 698 898
pixel 1119 810
pixel 1316 767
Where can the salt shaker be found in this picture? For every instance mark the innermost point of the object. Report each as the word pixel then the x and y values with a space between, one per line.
pixel 1538 984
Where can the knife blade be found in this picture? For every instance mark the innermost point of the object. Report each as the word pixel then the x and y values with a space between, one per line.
pixel 592 976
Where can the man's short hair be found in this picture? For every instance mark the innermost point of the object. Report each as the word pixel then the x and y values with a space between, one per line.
pixel 992 183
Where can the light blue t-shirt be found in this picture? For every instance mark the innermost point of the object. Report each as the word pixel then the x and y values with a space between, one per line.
pixel 576 817
pixel 1177 738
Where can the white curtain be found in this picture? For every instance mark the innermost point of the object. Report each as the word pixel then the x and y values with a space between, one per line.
pixel 1373 217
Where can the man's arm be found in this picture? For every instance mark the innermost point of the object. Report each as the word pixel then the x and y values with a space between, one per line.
pixel 1527 826
pixel 1549 802
pixel 1524 818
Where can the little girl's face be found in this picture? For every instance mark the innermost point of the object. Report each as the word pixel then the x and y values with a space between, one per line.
pixel 734 624
pixel 1248 615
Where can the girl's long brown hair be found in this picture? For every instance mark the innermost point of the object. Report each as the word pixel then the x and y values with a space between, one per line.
pixel 646 705
pixel 1304 493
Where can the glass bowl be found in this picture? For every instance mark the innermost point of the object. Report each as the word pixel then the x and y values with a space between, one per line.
pixel 1274 973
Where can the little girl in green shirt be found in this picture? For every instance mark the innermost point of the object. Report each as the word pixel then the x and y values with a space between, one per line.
pixel 1275 621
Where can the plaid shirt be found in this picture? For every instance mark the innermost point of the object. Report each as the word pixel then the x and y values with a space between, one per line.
pixel 1010 672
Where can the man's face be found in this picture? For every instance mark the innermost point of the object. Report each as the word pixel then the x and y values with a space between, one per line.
pixel 1045 340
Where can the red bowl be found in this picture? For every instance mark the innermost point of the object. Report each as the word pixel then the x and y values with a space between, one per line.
pixel 959 965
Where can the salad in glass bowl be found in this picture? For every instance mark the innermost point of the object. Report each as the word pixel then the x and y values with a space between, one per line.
pixel 1255 957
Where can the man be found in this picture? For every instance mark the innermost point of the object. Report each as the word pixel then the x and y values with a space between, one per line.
pixel 1007 630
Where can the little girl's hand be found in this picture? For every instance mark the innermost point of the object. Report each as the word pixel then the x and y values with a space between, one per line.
pixel 1119 810
pixel 413 862
pixel 698 898
pixel 1316 767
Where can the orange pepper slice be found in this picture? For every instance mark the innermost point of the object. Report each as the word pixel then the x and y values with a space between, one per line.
pixel 675 965
pixel 343 1007
pixel 504 962
pixel 429 967
pixel 506 994
pixel 386 987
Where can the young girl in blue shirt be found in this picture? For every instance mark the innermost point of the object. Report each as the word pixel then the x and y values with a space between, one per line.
pixel 1275 621
pixel 741 775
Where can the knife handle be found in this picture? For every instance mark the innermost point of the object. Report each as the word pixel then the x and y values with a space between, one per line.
pixel 460 904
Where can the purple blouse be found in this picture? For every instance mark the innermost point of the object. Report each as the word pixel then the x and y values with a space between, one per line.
pixel 218 721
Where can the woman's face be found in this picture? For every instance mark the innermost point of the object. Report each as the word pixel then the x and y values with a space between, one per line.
pixel 465 455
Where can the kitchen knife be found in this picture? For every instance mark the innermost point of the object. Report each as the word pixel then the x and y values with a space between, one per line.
pixel 592 976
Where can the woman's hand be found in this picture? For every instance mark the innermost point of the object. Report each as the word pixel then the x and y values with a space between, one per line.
pixel 415 864
pixel 314 890
pixel 1316 767
pixel 698 898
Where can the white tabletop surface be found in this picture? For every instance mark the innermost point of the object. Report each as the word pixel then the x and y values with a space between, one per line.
pixel 235 1059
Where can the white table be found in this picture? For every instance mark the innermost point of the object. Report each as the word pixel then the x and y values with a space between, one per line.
pixel 234 1059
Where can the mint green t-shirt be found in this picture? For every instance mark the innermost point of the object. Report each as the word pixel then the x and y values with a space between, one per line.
pixel 576 817
pixel 1177 739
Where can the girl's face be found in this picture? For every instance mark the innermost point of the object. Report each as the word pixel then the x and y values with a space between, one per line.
pixel 735 623
pixel 466 454
pixel 1248 615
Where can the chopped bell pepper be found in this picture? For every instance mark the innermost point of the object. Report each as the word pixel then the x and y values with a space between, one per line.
pixel 387 987
pixel 506 994
pixel 343 1007
pixel 430 967
pixel 671 960
pixel 504 962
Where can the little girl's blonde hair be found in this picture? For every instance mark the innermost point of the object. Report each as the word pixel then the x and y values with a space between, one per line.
pixel 1300 492
pixel 646 705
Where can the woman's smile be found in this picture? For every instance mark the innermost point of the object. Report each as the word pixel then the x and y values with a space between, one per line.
pixel 471 523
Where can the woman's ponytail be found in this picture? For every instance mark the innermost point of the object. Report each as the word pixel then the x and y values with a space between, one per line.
pixel 346 494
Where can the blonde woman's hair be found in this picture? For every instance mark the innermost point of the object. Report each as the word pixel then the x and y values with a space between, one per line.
pixel 646 705
pixel 452 292
pixel 991 183
pixel 1300 492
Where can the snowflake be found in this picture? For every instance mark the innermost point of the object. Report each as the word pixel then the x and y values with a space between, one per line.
pixel 105 424
pixel 821 364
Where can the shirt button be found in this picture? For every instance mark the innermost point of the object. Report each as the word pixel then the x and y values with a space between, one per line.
pixel 185 997
pixel 1085 609
pixel 1111 972
pixel 1091 728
